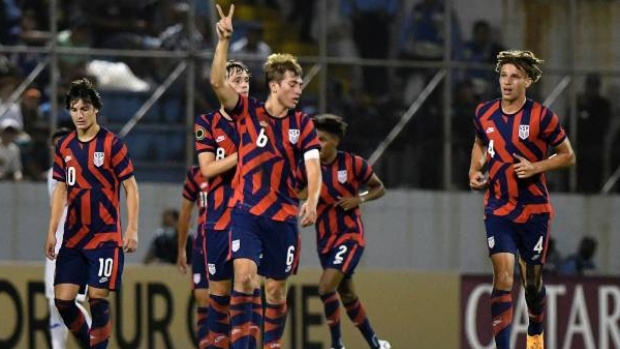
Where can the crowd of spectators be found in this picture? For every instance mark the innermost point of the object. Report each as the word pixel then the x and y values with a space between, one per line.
pixel 408 31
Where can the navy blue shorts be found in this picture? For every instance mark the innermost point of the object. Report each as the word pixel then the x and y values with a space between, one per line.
pixel 98 268
pixel 529 239
pixel 199 263
pixel 219 265
pixel 344 257
pixel 272 245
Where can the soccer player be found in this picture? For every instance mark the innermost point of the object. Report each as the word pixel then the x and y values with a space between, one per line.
pixel 339 229
pixel 91 164
pixel 274 138
pixel 513 137
pixel 195 192
pixel 216 142
pixel 58 330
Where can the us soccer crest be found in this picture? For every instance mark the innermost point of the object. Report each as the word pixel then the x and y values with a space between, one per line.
pixel 293 135
pixel 98 158
pixel 491 241
pixel 524 131
pixel 342 176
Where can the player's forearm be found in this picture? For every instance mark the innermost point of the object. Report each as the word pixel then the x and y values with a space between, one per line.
pixel 313 172
pixel 478 158
pixel 185 217
pixel 225 93
pixel 375 191
pixel 217 167
pixel 556 161
pixel 133 205
pixel 58 204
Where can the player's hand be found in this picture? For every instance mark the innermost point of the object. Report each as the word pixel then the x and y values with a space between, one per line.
pixel 182 261
pixel 477 181
pixel 224 25
pixel 349 202
pixel 130 241
pixel 50 246
pixel 524 168
pixel 308 214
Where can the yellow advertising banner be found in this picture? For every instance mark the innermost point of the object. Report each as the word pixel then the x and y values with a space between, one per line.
pixel 155 309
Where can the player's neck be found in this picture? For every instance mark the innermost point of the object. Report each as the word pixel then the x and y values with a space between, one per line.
pixel 225 114
pixel 275 109
pixel 85 135
pixel 511 107
pixel 329 159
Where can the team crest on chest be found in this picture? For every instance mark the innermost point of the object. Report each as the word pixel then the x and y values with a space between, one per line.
pixel 98 158
pixel 342 176
pixel 293 135
pixel 524 131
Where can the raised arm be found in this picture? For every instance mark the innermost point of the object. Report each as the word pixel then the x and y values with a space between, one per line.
pixel 225 93
pixel 130 240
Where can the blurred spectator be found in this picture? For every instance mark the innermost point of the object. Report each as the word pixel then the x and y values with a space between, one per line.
pixel 581 263
pixel 554 258
pixel 303 12
pixel 422 38
pixel 481 49
pixel 10 156
pixel 252 44
pixel 593 110
pixel 78 35
pixel 9 80
pixel 35 153
pixel 163 248
pixel 372 21
pixel 32 33
pixel 465 102
pixel 10 22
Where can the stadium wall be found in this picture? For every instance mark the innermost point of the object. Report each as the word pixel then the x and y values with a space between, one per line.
pixel 405 230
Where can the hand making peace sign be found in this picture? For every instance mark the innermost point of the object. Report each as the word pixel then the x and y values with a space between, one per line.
pixel 224 25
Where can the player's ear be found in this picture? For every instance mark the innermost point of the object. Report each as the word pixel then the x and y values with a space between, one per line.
pixel 273 86
pixel 528 82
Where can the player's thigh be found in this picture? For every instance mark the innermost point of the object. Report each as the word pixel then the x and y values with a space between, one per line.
pixel 501 235
pixel 245 240
pixel 330 280
pixel 533 239
pixel 280 241
pixel 219 266
pixel 105 268
pixel 199 264
pixel 71 273
pixel 343 256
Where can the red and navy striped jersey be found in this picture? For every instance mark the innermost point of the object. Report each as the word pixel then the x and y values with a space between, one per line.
pixel 93 172
pixel 344 177
pixel 218 135
pixel 530 133
pixel 195 190
pixel 269 152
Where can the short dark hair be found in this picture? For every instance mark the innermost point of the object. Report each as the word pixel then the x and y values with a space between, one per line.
pixel 330 123
pixel 61 132
pixel 85 90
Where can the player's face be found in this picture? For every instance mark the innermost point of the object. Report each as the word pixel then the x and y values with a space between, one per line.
pixel 239 80
pixel 289 89
pixel 83 114
pixel 513 82
pixel 329 144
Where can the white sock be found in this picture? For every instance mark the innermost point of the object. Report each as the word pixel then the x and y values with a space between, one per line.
pixel 58 330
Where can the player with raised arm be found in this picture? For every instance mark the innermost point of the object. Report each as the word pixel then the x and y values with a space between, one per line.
pixel 58 330
pixel 216 142
pixel 195 193
pixel 339 229
pixel 91 165
pixel 513 137
pixel 274 138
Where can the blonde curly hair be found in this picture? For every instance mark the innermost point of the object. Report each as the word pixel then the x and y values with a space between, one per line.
pixel 524 60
